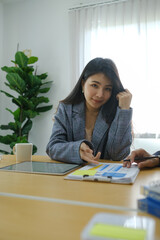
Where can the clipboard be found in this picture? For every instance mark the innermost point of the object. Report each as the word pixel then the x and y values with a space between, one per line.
pixel 105 172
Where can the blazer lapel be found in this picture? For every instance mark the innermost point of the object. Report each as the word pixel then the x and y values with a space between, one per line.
pixel 78 119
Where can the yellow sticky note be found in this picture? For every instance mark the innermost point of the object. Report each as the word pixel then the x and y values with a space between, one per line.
pixel 117 232
pixel 96 167
pixel 84 172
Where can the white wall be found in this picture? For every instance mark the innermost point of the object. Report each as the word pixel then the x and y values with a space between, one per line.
pixel 1 49
pixel 43 27
pixel 149 144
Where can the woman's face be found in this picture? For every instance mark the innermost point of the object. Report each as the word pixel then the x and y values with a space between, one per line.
pixel 97 91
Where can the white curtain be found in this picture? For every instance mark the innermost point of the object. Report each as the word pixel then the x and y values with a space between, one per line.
pixel 128 33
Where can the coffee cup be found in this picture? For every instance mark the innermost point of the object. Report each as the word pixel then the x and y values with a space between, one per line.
pixel 23 152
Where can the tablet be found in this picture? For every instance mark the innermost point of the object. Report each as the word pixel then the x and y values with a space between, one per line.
pixel 41 167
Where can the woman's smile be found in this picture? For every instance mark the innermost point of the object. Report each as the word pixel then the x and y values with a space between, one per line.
pixel 97 101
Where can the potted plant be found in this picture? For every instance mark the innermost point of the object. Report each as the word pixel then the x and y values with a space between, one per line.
pixel 29 99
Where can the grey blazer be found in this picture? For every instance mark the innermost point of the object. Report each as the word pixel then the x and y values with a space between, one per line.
pixel 69 132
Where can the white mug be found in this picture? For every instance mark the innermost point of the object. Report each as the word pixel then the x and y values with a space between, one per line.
pixel 23 152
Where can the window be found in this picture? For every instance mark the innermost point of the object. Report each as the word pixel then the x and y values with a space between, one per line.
pixel 128 33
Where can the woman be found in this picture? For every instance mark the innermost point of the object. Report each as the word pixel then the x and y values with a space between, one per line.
pixel 94 121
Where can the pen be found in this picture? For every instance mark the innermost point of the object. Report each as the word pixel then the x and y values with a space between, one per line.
pixel 142 158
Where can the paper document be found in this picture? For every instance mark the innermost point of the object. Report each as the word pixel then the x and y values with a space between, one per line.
pixel 105 172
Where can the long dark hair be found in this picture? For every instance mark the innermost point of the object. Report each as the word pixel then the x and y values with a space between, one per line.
pixel 109 69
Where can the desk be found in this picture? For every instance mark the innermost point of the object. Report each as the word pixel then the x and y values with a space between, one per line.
pixel 40 212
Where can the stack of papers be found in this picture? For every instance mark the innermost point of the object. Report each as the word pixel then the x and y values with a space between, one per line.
pixel 106 172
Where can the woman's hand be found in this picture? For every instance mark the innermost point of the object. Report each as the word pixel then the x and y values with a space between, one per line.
pixel 140 153
pixel 87 154
pixel 124 99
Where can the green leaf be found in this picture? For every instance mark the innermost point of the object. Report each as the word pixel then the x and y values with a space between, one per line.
pixel 32 93
pixel 16 82
pixel 21 116
pixel 11 126
pixel 17 114
pixel 22 139
pixel 42 76
pixel 5 127
pixel 4 152
pixel 32 60
pixel 11 87
pixel 34 149
pixel 39 100
pixel 21 59
pixel 8 139
pixel 7 94
pixel 12 145
pixel 9 110
pixel 43 90
pixel 27 127
pixel 13 61
pixel 44 109
pixel 29 114
pixel 28 69
pixel 25 103
pixel 12 70
pixel 49 82
pixel 34 81
pixel 17 102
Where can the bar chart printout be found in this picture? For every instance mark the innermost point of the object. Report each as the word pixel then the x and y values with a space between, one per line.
pixel 106 172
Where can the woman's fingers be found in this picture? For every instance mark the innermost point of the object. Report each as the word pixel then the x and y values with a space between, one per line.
pixel 149 163
pixel 89 158
pixel 127 164
pixel 87 154
pixel 97 156
pixel 124 99
pixel 91 161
